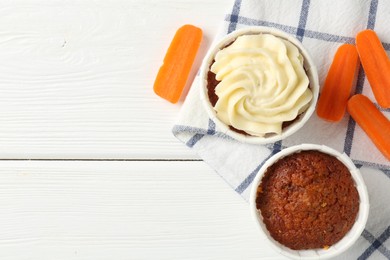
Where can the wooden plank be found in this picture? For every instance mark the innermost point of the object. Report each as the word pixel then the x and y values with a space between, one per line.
pixel 123 210
pixel 76 77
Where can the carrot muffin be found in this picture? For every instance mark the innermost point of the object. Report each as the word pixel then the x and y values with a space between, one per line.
pixel 258 84
pixel 308 200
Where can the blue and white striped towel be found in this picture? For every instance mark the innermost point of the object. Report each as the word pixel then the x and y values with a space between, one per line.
pixel 321 26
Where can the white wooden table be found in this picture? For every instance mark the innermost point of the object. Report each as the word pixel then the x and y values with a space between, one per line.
pixel 89 168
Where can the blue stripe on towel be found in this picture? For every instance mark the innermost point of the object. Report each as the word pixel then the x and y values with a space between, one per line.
pixel 293 30
pixel 234 16
pixel 386 172
pixel 376 244
pixel 250 21
pixel 248 180
pixel 372 14
pixel 211 129
pixel 190 143
pixel 386 46
pixel 378 166
pixel 307 33
pixel 196 138
pixel 303 19
pixel 184 128
pixel 351 123
pixel 328 37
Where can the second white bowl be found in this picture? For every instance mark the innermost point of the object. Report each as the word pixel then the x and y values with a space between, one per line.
pixel 348 240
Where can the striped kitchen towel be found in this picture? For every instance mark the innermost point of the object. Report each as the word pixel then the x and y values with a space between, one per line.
pixel 321 26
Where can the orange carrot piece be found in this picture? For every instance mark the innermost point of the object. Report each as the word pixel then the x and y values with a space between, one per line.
pixel 372 121
pixel 338 84
pixel 173 74
pixel 376 65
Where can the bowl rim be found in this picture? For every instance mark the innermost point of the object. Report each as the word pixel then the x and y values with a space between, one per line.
pixel 310 68
pixel 352 235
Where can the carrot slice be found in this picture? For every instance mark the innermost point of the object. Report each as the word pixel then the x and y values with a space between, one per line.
pixel 376 65
pixel 338 84
pixel 372 121
pixel 173 74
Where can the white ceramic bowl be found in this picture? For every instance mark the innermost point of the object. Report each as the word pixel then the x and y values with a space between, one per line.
pixel 309 66
pixel 348 240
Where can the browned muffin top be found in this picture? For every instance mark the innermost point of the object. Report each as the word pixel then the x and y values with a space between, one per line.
pixel 308 200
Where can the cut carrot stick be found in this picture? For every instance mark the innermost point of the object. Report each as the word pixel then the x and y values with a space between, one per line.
pixel 338 84
pixel 376 65
pixel 372 121
pixel 173 74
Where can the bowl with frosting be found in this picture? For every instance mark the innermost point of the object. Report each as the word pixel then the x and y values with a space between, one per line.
pixel 259 85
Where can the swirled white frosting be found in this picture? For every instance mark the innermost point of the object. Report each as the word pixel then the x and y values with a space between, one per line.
pixel 262 84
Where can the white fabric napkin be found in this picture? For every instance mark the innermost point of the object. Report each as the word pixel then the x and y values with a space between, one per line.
pixel 322 26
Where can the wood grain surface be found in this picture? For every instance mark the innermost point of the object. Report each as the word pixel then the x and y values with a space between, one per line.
pixel 76 77
pixel 122 210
